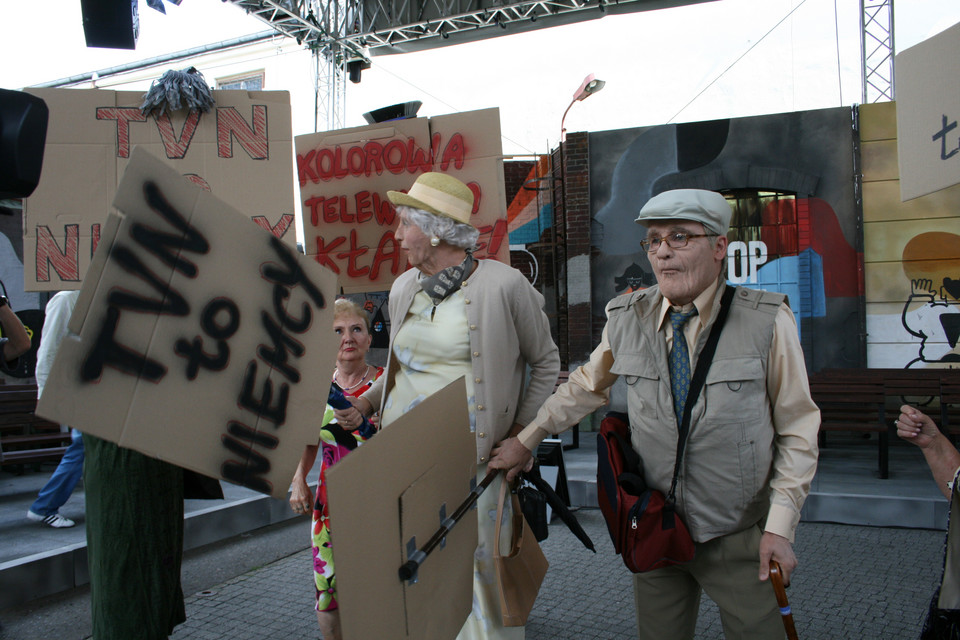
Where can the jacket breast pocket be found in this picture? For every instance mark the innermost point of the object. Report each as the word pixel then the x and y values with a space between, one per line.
pixel 735 389
pixel 642 379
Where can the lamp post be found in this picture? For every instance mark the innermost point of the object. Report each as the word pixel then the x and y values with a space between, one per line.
pixel 588 87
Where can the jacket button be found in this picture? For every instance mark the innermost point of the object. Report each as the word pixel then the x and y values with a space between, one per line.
pixel 479 407
pixel 466 301
pixel 476 354
pixel 483 458
pixel 477 380
pixel 473 327
pixel 482 434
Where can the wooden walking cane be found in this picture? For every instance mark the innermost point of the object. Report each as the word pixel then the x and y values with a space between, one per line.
pixel 776 579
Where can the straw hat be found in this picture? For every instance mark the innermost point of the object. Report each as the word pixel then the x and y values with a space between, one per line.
pixel 439 194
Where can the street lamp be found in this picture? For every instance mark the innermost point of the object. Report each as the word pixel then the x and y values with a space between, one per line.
pixel 588 87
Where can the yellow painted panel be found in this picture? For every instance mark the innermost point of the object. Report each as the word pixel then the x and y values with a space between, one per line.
pixel 886 241
pixel 881 202
pixel 878 121
pixel 879 160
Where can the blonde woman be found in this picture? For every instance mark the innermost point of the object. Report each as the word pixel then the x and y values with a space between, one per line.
pixel 338 437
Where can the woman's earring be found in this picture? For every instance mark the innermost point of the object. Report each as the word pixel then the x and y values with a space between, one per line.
pixel 434 241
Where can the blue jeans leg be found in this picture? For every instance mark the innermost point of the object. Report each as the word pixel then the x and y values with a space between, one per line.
pixel 64 478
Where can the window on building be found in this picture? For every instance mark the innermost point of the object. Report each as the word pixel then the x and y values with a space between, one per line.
pixel 252 81
pixel 768 216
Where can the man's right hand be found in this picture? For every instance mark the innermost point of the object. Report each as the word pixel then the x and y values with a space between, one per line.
pixel 511 456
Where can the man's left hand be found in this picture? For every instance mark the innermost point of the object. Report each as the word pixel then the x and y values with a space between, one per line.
pixel 774 547
pixel 511 456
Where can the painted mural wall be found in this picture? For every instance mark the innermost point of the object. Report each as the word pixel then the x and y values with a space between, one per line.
pixel 795 227
pixel 911 258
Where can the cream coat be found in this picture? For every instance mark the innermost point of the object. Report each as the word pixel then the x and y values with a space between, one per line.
pixel 508 332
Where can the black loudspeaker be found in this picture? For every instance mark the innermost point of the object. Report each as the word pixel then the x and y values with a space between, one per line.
pixel 111 24
pixel 23 134
pixel 400 111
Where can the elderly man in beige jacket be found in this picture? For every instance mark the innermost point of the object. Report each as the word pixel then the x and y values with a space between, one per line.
pixel 752 448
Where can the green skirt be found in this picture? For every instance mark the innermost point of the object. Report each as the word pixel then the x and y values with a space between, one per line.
pixel 134 524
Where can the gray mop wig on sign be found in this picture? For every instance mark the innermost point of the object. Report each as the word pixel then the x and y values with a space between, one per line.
pixel 448 230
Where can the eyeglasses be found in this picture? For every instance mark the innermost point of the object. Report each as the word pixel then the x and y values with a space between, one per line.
pixel 677 240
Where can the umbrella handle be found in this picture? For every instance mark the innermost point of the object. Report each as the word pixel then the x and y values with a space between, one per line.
pixel 776 579
pixel 409 568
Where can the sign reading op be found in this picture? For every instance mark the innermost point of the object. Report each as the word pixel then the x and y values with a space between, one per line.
pixel 201 339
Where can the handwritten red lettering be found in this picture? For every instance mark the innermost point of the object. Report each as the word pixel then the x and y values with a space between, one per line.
pixel 374 163
pixel 253 139
pixel 373 157
pixel 65 262
pixel 95 236
pixel 351 256
pixel 175 145
pixel 278 230
pixel 477 192
pixel 492 237
pixel 388 251
pixel 305 170
pixel 362 200
pixel 322 251
pixel 455 152
pixel 395 156
pixel 124 116
pixel 383 210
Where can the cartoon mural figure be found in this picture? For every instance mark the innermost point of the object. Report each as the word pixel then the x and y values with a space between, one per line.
pixel 931 261
pixel 936 323
pixel 633 279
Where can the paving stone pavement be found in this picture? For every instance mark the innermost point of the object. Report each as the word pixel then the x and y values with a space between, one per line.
pixel 853 582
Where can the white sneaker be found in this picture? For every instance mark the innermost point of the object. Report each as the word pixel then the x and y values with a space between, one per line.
pixel 54 520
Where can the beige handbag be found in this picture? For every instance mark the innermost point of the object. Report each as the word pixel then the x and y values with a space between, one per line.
pixel 519 574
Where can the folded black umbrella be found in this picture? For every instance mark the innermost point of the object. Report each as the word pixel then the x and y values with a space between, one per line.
pixel 558 505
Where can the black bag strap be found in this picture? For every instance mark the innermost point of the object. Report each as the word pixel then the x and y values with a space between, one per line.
pixel 696 384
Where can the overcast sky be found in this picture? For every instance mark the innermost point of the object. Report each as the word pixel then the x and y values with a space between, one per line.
pixel 710 60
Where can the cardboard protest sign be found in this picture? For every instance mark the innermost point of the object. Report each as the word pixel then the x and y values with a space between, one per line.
pixel 928 113
pixel 387 499
pixel 344 176
pixel 201 338
pixel 241 151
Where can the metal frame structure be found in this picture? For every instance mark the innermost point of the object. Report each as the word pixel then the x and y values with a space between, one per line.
pixel 341 32
pixel 877 50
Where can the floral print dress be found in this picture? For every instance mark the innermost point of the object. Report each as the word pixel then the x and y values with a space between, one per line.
pixel 335 443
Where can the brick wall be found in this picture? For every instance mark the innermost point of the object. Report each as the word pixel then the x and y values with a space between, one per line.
pixel 572 227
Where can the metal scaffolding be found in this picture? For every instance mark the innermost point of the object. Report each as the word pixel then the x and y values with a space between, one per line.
pixel 877 50
pixel 342 34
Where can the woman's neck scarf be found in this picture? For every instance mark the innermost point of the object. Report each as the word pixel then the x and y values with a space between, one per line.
pixel 447 281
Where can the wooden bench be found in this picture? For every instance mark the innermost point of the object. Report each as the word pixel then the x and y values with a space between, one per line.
pixel 934 391
pixel 855 403
pixel 950 405
pixel 26 438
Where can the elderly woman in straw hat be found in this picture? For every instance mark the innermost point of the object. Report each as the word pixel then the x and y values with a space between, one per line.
pixel 453 315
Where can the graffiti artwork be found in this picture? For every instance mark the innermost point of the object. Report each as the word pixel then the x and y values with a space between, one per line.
pixel 794 226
